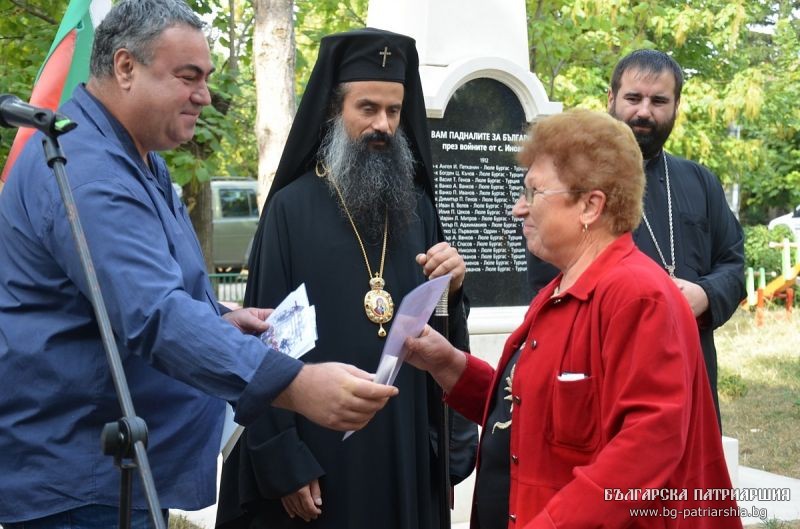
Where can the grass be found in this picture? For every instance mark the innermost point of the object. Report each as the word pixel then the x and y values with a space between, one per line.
pixel 775 524
pixel 181 522
pixel 759 385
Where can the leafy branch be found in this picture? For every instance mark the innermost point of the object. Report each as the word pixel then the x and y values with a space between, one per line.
pixel 34 11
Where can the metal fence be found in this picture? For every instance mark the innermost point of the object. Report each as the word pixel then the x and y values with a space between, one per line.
pixel 229 287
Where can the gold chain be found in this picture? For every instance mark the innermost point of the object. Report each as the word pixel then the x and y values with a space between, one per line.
pixel 358 237
pixel 378 304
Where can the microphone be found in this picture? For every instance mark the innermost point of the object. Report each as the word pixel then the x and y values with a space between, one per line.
pixel 14 113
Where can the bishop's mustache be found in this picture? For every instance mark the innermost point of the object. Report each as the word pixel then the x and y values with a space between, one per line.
pixel 377 136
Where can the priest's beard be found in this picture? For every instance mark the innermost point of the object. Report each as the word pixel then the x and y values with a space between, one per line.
pixel 372 181
pixel 650 142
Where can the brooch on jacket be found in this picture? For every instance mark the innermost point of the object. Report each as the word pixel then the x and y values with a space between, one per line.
pixel 509 379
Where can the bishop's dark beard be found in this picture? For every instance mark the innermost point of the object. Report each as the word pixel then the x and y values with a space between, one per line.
pixel 372 181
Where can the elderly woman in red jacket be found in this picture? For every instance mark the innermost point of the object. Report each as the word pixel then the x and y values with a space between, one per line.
pixel 599 413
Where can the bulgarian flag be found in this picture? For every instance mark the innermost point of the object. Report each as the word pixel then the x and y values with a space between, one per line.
pixel 66 65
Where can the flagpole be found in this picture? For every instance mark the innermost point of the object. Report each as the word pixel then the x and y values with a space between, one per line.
pixel 125 439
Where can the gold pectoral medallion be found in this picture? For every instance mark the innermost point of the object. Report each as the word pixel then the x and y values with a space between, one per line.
pixel 378 304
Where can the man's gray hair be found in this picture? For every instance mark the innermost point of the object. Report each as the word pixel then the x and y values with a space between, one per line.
pixel 134 25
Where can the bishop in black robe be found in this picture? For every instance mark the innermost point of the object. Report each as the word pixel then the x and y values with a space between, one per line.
pixel 386 474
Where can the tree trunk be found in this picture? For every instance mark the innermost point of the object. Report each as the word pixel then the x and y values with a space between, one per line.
pixel 197 197
pixel 233 48
pixel 274 59
pixel 197 194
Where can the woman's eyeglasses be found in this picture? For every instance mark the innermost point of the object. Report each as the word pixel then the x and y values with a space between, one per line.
pixel 530 193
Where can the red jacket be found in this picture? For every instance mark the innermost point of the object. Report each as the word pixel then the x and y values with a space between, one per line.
pixel 638 432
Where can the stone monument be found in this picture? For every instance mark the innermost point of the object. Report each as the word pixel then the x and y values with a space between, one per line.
pixel 480 96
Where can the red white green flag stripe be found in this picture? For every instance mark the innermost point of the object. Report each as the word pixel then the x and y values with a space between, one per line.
pixel 66 65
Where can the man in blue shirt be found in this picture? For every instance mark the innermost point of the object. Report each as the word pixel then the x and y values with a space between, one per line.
pixel 183 354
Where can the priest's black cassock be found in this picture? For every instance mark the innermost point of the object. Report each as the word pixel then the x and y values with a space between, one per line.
pixel 384 475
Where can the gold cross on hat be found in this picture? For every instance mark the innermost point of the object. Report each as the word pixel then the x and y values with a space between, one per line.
pixel 385 54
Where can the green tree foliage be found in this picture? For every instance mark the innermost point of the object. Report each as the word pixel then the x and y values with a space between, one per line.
pixel 27 29
pixel 741 58
pixel 757 251
pixel 224 144
pixel 317 18
pixel 741 61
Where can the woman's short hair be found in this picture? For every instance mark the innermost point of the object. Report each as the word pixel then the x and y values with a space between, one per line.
pixel 592 150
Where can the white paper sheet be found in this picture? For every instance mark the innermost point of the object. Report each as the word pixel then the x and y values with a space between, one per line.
pixel 293 325
pixel 293 332
pixel 414 312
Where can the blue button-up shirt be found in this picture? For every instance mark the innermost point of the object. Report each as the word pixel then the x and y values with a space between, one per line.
pixel 56 392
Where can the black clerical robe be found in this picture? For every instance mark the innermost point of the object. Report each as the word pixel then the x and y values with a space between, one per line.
pixel 709 243
pixel 384 475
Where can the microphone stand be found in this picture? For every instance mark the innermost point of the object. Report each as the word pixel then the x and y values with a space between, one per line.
pixel 125 439
pixel 440 322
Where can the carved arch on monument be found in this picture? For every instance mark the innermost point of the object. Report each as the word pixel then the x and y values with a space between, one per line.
pixel 439 84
